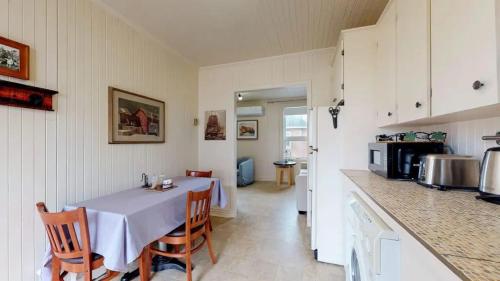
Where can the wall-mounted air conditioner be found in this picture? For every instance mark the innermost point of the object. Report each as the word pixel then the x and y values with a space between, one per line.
pixel 250 111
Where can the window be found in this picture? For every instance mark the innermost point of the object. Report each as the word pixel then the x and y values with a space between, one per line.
pixel 295 132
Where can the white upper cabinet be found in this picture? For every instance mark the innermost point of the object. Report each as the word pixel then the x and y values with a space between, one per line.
pixel 464 55
pixel 413 59
pixel 338 72
pixel 385 77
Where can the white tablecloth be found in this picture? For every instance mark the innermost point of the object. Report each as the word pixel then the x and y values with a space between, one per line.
pixel 123 223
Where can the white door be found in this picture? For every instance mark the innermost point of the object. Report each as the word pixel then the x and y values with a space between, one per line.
pixel 413 59
pixel 463 46
pixel 385 82
pixel 311 170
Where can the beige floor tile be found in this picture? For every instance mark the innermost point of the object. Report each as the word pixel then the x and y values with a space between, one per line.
pixel 268 241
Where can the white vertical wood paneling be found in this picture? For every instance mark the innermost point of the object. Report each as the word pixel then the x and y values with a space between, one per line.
pixel 217 85
pixel 39 135
pixel 465 137
pixel 60 157
pixel 4 163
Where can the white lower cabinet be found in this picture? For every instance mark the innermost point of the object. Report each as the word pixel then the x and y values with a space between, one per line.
pixel 416 263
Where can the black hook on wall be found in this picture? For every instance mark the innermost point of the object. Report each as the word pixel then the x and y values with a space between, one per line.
pixel 335 112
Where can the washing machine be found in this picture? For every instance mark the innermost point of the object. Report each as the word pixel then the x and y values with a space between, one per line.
pixel 372 247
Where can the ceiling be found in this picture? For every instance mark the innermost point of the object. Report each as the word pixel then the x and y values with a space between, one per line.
pixel 210 32
pixel 292 93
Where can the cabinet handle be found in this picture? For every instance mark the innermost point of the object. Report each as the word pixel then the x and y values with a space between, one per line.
pixel 418 104
pixel 389 114
pixel 477 85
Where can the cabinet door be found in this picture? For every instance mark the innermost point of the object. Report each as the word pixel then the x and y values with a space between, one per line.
pixel 385 82
pixel 338 73
pixel 463 46
pixel 413 59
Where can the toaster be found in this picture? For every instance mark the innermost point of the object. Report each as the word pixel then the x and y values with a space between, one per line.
pixel 445 171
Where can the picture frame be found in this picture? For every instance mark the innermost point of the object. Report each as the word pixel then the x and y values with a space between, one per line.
pixel 14 59
pixel 247 129
pixel 215 125
pixel 134 118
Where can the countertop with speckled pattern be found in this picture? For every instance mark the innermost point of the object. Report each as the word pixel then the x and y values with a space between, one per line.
pixel 460 230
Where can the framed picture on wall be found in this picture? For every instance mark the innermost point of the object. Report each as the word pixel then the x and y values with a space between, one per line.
pixel 134 118
pixel 14 59
pixel 215 125
pixel 248 129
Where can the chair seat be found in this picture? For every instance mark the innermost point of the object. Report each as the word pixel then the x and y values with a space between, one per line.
pixel 181 231
pixel 94 257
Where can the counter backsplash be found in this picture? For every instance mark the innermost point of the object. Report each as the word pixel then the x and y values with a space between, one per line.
pixel 465 137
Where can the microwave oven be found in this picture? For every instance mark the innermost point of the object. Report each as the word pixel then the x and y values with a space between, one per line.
pixel 400 160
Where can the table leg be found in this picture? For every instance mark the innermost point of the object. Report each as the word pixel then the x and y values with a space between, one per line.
pixel 158 263
pixel 278 171
pixel 290 178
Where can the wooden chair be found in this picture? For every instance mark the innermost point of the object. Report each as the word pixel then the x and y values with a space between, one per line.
pixel 68 253
pixel 196 226
pixel 200 174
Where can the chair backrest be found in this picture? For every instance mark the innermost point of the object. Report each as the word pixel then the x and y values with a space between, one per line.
pixel 200 174
pixel 198 207
pixel 62 228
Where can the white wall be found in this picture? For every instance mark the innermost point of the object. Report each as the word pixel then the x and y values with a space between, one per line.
pixel 217 85
pixel 465 137
pixel 268 147
pixel 61 157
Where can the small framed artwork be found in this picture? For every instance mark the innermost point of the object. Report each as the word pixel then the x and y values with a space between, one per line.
pixel 14 59
pixel 215 125
pixel 134 118
pixel 248 129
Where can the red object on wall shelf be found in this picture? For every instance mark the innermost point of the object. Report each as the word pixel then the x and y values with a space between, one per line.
pixel 21 95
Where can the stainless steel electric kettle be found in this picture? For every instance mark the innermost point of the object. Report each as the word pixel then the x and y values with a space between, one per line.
pixel 489 182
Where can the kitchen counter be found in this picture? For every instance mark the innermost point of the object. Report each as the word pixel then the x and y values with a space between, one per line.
pixel 461 231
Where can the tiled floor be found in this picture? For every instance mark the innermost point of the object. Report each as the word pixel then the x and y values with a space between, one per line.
pixel 268 241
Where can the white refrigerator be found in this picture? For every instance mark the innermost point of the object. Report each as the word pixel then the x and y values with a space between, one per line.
pixel 333 150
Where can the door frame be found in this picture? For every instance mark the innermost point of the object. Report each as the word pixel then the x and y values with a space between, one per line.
pixel 306 83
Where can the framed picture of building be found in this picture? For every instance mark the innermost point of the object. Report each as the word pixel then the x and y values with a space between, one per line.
pixel 14 59
pixel 134 118
pixel 247 129
pixel 215 125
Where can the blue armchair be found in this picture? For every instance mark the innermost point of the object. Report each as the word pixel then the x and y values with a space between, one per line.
pixel 245 171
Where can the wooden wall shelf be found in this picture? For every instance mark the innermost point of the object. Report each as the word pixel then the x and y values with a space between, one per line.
pixel 26 96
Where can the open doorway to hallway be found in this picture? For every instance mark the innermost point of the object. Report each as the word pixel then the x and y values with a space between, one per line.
pixel 271 130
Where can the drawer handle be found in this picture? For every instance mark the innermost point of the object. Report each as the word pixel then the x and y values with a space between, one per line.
pixel 418 104
pixel 477 85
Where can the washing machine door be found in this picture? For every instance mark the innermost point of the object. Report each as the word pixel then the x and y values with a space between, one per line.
pixel 357 269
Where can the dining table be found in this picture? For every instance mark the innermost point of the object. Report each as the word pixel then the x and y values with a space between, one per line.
pixel 122 224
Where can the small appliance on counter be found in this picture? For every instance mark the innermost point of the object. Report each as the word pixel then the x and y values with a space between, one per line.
pixel 400 160
pixel 449 171
pixel 489 183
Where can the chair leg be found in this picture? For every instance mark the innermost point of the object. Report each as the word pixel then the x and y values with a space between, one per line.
pixel 56 269
pixel 109 275
pixel 211 252
pixel 87 275
pixel 210 224
pixel 144 264
pixel 188 261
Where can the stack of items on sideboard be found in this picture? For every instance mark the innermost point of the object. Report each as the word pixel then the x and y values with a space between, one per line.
pixel 424 158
